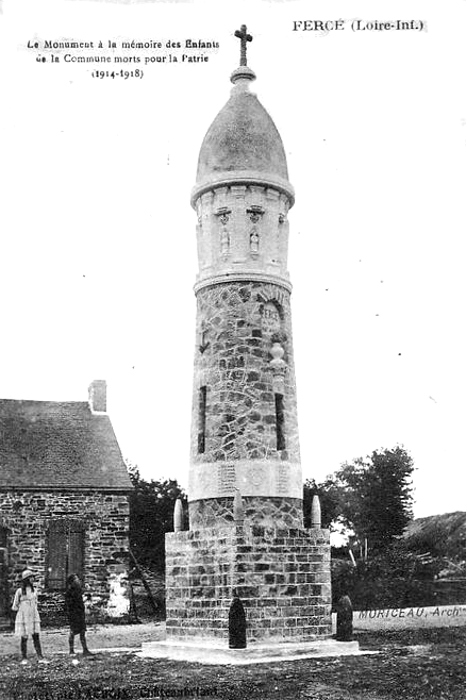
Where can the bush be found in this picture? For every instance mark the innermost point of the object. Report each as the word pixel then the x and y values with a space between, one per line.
pixel 393 579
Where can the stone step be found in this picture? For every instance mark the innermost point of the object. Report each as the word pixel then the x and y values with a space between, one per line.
pixel 211 653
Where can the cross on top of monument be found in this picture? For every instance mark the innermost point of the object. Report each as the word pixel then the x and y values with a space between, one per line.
pixel 244 37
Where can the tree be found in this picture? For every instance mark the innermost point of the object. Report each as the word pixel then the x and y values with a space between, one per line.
pixel 151 516
pixel 376 495
pixel 371 496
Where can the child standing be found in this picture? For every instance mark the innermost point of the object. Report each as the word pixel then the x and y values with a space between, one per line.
pixel 27 616
pixel 74 605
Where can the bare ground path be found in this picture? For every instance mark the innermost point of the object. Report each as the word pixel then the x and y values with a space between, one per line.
pixel 99 637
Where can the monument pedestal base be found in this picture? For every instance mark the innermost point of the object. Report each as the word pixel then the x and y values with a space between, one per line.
pixel 212 653
pixel 281 576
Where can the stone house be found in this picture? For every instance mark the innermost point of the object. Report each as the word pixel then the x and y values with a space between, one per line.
pixel 64 503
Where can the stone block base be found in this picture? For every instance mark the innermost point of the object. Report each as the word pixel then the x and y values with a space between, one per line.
pixel 282 577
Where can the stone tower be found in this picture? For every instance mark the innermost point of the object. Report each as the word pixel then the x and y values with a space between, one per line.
pixel 246 534
pixel 244 431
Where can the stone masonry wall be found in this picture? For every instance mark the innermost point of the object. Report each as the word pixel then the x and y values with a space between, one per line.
pixel 106 521
pixel 236 325
pixel 282 577
pixel 242 228
pixel 278 513
pixel 235 440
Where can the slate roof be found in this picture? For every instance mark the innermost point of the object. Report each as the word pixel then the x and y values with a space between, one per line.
pixel 58 444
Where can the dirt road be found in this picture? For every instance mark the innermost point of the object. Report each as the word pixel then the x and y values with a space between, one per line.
pixel 99 637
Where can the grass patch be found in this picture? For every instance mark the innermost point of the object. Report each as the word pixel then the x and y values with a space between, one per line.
pixel 411 664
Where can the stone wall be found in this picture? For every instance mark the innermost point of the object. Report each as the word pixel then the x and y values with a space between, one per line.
pixel 236 325
pixel 26 514
pixel 279 513
pixel 238 382
pixel 242 228
pixel 282 578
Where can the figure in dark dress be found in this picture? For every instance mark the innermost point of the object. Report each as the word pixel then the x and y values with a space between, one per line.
pixel 74 606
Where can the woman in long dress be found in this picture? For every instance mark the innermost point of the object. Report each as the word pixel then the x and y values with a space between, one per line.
pixel 27 616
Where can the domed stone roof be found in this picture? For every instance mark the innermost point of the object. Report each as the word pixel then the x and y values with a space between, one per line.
pixel 242 145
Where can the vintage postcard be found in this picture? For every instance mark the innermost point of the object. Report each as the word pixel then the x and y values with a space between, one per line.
pixel 231 263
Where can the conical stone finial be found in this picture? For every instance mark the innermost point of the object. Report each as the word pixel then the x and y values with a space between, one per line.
pixel 315 513
pixel 178 516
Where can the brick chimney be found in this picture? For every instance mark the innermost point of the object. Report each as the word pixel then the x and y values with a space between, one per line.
pixel 98 396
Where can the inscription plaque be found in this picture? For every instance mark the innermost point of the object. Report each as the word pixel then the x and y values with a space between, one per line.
pixel 270 320
pixel 283 479
pixel 226 479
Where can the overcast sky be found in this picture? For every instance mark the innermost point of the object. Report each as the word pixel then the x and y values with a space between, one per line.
pixel 98 249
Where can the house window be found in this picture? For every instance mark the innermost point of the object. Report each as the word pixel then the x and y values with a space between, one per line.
pixel 280 422
pixel 65 551
pixel 202 419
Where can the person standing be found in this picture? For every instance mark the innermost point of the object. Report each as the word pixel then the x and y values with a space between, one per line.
pixel 27 621
pixel 74 606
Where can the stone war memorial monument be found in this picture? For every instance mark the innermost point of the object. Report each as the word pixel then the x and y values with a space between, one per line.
pixel 246 574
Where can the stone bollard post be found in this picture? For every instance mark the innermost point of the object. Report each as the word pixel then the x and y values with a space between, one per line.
pixel 237 624
pixel 344 627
